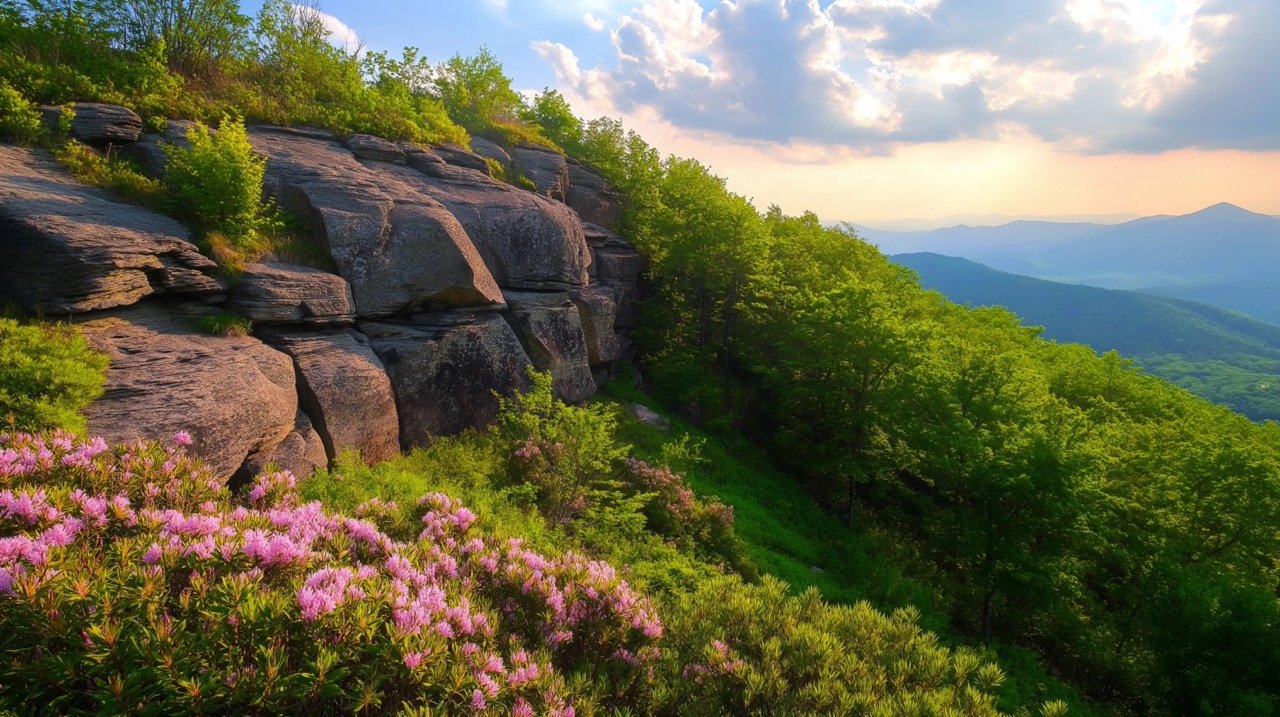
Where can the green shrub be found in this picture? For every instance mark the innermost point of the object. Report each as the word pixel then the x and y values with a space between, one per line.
pixel 568 454
pixel 216 184
pixel 47 375
pixel 755 650
pixel 19 119
pixel 572 465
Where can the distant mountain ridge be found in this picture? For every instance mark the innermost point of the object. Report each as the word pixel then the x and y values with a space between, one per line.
pixel 1224 356
pixel 1222 254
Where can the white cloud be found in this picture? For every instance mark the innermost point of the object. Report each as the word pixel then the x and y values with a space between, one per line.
pixel 1085 74
pixel 341 35
pixel 593 22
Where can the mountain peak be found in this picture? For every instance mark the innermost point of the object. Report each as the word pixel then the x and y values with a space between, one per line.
pixel 1224 210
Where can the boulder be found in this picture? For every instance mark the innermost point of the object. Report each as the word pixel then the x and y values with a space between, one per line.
pixel 460 157
pixel 551 331
pixel 445 369
pixel 546 168
pixel 343 386
pixel 598 309
pixel 617 265
pixel 149 152
pixel 98 123
pixel 527 240
pixel 399 248
pixel 366 146
pixel 301 453
pixel 591 198
pixel 66 247
pixel 612 257
pixel 234 395
pixel 484 148
pixel 650 418
pixel 281 293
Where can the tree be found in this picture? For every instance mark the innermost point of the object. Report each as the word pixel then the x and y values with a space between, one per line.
pixel 551 112
pixel 193 36
pixel 835 324
pixel 984 436
pixel 477 93
pixel 705 244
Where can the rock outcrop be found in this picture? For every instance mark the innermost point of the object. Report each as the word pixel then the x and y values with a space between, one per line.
pixel 400 249
pixel 445 369
pixel 598 311
pixel 551 332
pixel 527 241
pixel 149 151
pixel 484 148
pixel 460 157
pixel 98 123
pixel 546 168
pixel 281 293
pixel 449 287
pixel 301 453
pixel 235 395
pixel 66 247
pixel 366 146
pixel 617 265
pixel 343 387
pixel 591 198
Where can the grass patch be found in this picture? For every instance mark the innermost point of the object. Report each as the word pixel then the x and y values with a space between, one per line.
pixel 109 171
pixel 224 323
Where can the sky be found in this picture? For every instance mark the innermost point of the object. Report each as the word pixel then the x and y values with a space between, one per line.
pixel 879 110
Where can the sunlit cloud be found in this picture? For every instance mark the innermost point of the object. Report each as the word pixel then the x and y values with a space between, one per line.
pixel 341 35
pixel 1087 76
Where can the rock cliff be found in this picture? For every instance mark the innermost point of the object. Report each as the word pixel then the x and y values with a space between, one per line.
pixel 447 284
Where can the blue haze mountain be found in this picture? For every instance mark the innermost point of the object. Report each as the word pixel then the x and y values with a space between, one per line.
pixel 1221 355
pixel 1222 255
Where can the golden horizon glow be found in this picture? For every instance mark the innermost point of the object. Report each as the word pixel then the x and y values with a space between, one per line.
pixel 1016 176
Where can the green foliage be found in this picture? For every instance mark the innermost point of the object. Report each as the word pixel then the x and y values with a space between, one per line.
pixel 1045 493
pixel 551 113
pixel 48 374
pixel 477 94
pixel 216 184
pixel 581 478
pixel 224 323
pixel 754 650
pixel 70 50
pixel 135 582
pixel 108 171
pixel 566 453
pixel 19 119
pixel 298 77
pixel 192 36
pixel 1216 354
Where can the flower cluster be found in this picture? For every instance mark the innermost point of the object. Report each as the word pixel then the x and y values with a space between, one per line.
pixel 720 661
pixel 136 546
pixel 679 515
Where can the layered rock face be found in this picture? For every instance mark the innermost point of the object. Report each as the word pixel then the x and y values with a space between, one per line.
pixel 235 395
pixel 67 248
pixel 449 286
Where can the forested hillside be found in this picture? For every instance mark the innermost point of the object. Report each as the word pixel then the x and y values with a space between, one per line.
pixel 1216 354
pixel 1098 525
